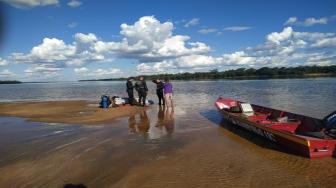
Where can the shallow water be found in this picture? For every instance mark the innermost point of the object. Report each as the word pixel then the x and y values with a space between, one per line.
pixel 187 147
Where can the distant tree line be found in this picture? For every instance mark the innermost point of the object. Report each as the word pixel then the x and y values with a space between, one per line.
pixel 9 82
pixel 250 73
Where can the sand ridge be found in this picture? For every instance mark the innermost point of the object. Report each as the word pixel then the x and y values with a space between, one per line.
pixel 68 112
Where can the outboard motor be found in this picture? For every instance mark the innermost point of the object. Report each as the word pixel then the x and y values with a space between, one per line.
pixel 330 124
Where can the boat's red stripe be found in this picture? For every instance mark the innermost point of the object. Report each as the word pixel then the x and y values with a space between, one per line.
pixel 285 135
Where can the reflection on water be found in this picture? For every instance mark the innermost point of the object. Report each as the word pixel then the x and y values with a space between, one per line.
pixel 162 126
pixel 165 123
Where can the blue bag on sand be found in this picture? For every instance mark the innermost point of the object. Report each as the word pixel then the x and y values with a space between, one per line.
pixel 105 101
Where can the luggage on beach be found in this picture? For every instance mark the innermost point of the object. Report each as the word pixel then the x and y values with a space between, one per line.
pixel 105 101
pixel 119 100
pixel 115 101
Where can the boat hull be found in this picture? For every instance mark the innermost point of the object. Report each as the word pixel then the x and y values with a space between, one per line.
pixel 297 144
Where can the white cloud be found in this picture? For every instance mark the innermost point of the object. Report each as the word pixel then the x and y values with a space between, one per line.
pixel 30 3
pixel 322 59
pixel 149 40
pixel 42 71
pixel 3 62
pixel 309 21
pixel 98 73
pixel 238 58
pixel 237 28
pixel 81 71
pixel 159 67
pixel 197 62
pixel 72 24
pixel 278 37
pixel 74 3
pixel 192 22
pixel 157 49
pixel 285 48
pixel 324 43
pixel 314 21
pixel 6 73
pixel 291 20
pixel 85 38
pixel 51 50
pixel 145 68
pixel 208 30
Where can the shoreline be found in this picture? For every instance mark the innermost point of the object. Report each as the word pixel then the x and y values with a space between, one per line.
pixel 80 112
pixel 305 76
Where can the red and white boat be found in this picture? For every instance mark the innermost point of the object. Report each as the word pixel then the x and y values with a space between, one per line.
pixel 303 135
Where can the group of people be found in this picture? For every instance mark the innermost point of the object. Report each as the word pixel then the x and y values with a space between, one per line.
pixel 164 91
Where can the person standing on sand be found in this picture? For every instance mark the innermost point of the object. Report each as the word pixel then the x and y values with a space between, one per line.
pixel 142 89
pixel 168 93
pixel 129 90
pixel 159 90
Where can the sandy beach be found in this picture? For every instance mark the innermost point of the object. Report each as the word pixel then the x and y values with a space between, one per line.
pixel 140 147
pixel 68 112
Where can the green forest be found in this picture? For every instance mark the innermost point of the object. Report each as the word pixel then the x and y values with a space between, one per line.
pixel 9 82
pixel 250 73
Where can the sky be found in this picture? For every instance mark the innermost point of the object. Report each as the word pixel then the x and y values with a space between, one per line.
pixel 66 40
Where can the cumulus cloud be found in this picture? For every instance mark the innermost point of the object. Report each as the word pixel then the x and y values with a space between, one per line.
pixel 50 50
pixel 284 48
pixel 6 73
pixel 276 37
pixel 30 3
pixel 157 49
pixel 208 30
pixel 197 62
pixel 74 3
pixel 192 22
pixel 309 21
pixel 237 28
pixel 149 40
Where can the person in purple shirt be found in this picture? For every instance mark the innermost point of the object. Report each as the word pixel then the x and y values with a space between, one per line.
pixel 168 93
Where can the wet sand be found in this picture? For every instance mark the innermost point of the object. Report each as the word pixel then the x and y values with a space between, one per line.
pixel 70 112
pixel 151 147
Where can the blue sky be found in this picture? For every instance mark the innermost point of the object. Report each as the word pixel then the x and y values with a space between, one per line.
pixel 81 39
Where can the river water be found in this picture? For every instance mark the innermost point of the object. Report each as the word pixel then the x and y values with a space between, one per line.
pixel 187 147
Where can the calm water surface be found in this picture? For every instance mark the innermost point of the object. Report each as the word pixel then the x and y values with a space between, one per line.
pixel 189 147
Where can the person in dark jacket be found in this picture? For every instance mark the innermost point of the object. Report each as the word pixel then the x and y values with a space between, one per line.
pixel 142 90
pixel 159 90
pixel 129 90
